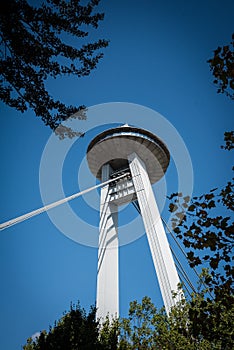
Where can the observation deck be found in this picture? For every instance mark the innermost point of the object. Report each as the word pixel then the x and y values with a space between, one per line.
pixel 114 145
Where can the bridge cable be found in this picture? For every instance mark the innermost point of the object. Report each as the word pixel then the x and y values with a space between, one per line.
pixel 27 216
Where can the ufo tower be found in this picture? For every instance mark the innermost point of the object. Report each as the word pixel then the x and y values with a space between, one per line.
pixel 141 159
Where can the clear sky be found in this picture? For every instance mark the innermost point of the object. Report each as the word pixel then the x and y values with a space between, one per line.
pixel 157 59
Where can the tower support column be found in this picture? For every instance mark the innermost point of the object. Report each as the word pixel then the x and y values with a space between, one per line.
pixel 161 254
pixel 107 301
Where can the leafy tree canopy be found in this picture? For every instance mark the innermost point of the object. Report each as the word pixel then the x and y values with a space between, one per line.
pixel 75 330
pixel 35 46
pixel 193 325
pixel 222 67
pixel 205 224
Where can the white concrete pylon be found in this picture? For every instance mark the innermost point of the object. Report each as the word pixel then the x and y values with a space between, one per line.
pixel 160 250
pixel 107 302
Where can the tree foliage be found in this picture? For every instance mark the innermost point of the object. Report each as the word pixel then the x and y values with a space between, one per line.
pixel 196 324
pixel 229 140
pixel 75 330
pixel 200 323
pixel 108 333
pixel 211 318
pixel 36 45
pixel 205 224
pixel 222 67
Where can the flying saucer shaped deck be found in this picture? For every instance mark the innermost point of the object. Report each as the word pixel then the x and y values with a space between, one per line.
pixel 113 146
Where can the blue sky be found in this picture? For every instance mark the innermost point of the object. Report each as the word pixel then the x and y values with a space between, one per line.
pixel 157 59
